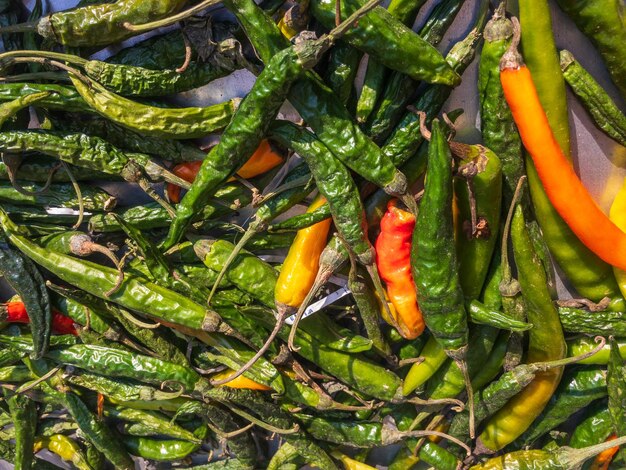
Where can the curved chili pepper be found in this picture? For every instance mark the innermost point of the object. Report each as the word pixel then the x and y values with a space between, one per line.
pixel 560 182
pixel 590 277
pixel 584 344
pixel 302 262
pixel 603 23
pixel 596 101
pixel 99 25
pixel 65 448
pixel 58 195
pixel 545 344
pixel 393 252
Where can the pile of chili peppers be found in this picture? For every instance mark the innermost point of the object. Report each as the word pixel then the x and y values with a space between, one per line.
pixel 171 331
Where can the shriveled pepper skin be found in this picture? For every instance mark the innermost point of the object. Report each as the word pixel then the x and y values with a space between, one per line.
pixel 433 257
pixel 546 344
pixel 302 262
pixel 602 21
pixel 393 258
pixel 99 25
pixel 390 42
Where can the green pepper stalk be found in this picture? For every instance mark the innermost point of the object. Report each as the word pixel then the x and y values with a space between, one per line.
pixel 564 458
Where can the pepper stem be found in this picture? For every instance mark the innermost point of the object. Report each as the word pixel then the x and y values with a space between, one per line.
pixel 512 59
pixel 283 313
pixel 44 55
pixel 573 458
pixel 79 195
pixel 31 26
pixel 543 366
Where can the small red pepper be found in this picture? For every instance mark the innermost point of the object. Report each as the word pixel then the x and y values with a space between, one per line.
pixel 15 312
pixel 261 161
pixel 393 258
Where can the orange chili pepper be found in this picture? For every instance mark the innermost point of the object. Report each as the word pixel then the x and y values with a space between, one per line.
pixel 566 192
pixel 262 160
pixel 603 459
pixel 299 269
pixel 239 382
pixel 15 312
pixel 393 258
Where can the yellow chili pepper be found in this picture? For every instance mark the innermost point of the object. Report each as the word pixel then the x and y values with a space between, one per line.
pixel 301 264
pixel 65 448
pixel 351 464
pixel 618 217
pixel 239 382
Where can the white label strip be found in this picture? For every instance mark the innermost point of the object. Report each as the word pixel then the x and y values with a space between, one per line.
pixel 64 211
pixel 320 304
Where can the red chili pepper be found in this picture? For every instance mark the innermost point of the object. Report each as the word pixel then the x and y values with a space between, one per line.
pixel 393 258
pixel 15 312
pixel 261 161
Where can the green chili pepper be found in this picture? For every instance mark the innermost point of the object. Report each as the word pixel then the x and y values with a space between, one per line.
pixel 58 195
pixel 97 432
pixel 434 357
pixel 406 137
pixel 433 256
pixel 15 374
pixel 369 311
pixel 361 374
pixel 578 388
pixel 129 80
pixel 151 216
pixel 394 45
pixel 545 344
pixel 498 129
pixel 168 123
pixel 24 415
pixel 170 150
pixel 616 380
pixel 90 152
pixel 23 276
pixel 602 108
pixel 41 169
pixel 11 108
pixel 153 420
pixel 606 322
pixel 376 73
pixel 603 23
pixel 99 25
pixel 60 96
pixel 343 64
pixel 448 381
pixel 479 220
pixel 480 314
pixel 594 428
